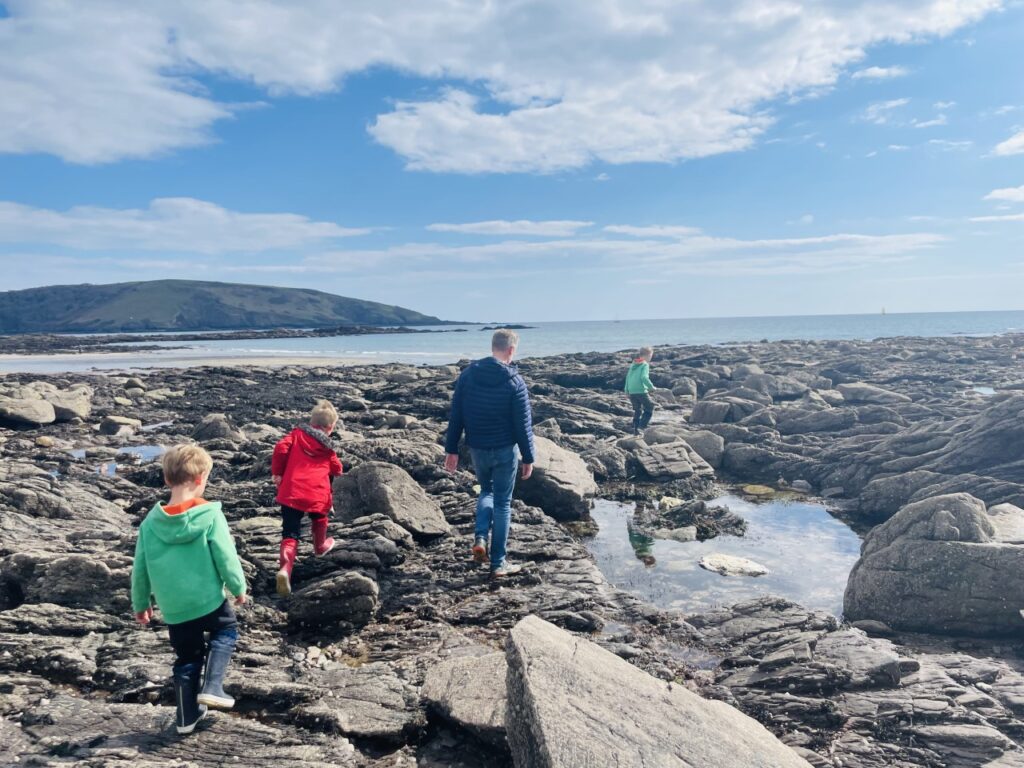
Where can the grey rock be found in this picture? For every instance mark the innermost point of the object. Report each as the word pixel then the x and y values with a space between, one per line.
pixel 565 691
pixel 346 600
pixel 561 483
pixel 119 425
pixel 862 392
pixel 939 565
pixel 710 412
pixel 378 487
pixel 470 691
pixel 708 445
pixel 71 404
pixel 730 565
pixel 33 413
pixel 368 702
pixel 217 426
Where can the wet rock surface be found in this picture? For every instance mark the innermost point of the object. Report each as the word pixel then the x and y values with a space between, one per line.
pixel 357 667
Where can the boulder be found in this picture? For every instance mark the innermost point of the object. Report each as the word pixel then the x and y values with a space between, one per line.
pixel 708 445
pixel 561 483
pixel 71 404
pixel 377 487
pixel 862 392
pixel 33 413
pixel 470 692
pixel 941 565
pixel 710 412
pixel 217 426
pixel 730 565
pixel 345 600
pixel 572 703
pixel 119 425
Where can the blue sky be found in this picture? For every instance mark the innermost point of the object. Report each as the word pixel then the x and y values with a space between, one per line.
pixel 544 160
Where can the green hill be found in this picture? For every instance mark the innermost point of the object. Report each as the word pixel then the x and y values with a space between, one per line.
pixel 187 305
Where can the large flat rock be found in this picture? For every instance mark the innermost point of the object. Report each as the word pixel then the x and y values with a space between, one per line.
pixel 572 703
pixel 470 691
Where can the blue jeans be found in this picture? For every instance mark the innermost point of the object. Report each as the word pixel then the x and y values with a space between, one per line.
pixel 496 471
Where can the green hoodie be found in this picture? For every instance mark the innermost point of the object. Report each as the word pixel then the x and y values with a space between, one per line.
pixel 185 561
pixel 638 380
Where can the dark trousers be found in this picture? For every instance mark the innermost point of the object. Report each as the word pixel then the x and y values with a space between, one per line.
pixel 188 638
pixel 643 409
pixel 291 522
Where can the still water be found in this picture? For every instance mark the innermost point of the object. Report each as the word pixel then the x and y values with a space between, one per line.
pixel 808 553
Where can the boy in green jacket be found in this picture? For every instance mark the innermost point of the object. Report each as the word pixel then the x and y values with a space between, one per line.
pixel 184 557
pixel 638 384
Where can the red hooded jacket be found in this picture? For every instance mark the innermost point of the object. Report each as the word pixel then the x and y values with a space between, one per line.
pixel 306 462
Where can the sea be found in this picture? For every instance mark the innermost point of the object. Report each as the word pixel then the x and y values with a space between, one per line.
pixel 450 344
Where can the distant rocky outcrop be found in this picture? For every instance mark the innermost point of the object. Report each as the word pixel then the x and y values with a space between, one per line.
pixel 187 305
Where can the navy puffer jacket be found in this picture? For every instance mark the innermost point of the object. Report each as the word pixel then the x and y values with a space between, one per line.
pixel 491 403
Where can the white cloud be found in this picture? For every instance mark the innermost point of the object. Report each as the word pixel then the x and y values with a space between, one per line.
pixel 880 112
pixel 951 146
pixel 807 218
pixel 1007 217
pixel 936 121
pixel 602 177
pixel 693 254
pixel 880 73
pixel 672 231
pixel 561 228
pixel 171 224
pixel 1012 194
pixel 1012 146
pixel 538 86
pixel 944 104
pixel 898 147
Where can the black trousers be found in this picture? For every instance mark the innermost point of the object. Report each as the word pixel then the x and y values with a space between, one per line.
pixel 188 638
pixel 291 522
pixel 643 409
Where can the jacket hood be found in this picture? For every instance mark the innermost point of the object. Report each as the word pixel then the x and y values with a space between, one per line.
pixel 317 436
pixel 489 372
pixel 633 366
pixel 183 528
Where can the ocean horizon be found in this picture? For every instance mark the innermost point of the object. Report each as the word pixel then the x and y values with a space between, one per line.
pixel 541 339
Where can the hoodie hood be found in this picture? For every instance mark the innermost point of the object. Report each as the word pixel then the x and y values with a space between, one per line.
pixel 318 436
pixel 183 528
pixel 489 372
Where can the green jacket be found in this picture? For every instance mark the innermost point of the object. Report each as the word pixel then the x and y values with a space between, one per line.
pixel 638 380
pixel 185 561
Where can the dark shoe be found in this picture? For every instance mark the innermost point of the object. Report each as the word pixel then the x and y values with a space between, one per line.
pixel 322 543
pixel 186 686
pixel 480 550
pixel 505 569
pixel 213 694
pixel 289 548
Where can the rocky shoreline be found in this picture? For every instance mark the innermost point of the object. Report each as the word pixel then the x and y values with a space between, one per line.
pixel 53 343
pixel 346 672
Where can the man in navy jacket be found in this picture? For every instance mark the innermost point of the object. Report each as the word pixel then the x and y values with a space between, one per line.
pixel 492 405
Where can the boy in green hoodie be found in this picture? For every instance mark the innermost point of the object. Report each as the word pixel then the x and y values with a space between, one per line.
pixel 185 557
pixel 638 384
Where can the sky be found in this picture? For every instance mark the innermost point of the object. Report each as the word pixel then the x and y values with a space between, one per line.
pixel 518 160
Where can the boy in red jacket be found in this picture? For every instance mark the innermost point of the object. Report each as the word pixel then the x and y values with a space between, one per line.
pixel 303 465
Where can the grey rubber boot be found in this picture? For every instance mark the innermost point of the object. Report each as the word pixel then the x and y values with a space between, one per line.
pixel 186 686
pixel 213 694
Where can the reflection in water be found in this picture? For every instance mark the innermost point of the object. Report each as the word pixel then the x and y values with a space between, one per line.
pixel 808 552
pixel 140 454
pixel 643 545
